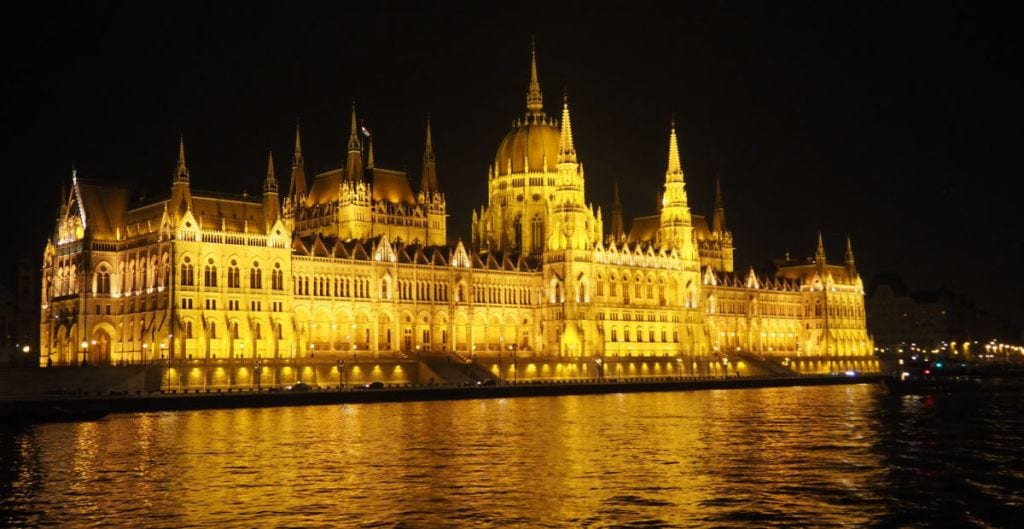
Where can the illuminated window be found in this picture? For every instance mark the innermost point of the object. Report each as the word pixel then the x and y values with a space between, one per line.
pixel 255 276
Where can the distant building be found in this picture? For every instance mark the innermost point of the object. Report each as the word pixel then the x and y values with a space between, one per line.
pixel 360 264
pixel 19 317
pixel 899 316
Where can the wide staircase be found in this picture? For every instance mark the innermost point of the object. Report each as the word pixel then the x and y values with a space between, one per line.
pixel 767 365
pixel 456 370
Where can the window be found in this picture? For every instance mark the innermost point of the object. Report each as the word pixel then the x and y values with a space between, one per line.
pixel 188 330
pixel 210 274
pixel 103 281
pixel 255 276
pixel 256 306
pixel 256 332
pixel 615 336
pixel 233 277
pixel 211 304
pixel 213 330
pixel 277 277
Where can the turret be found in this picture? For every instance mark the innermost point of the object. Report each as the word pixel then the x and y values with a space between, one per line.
pixel 819 254
pixel 718 218
pixel 676 227
pixel 428 182
pixel 271 204
pixel 566 150
pixel 297 187
pixel 534 98
pixel 618 235
pixel 181 193
pixel 354 162
pixel 851 267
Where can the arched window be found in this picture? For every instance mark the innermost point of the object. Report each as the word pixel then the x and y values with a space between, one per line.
pixel 103 280
pixel 255 276
pixel 257 333
pixel 210 274
pixel 233 276
pixel 213 330
pixel 277 277
pixel 188 329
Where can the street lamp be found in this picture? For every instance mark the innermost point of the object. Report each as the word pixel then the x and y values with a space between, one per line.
pixel 600 368
pixel 341 375
pixel 258 371
pixel 85 351
pixel 515 365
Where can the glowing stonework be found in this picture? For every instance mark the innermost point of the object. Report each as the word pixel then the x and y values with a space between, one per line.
pixel 356 267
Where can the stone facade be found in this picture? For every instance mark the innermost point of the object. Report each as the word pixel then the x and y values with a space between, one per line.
pixel 357 268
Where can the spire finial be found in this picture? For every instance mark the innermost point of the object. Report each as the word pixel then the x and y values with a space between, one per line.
pixel 428 181
pixel 675 168
pixel 428 152
pixel 297 187
pixel 819 254
pixel 718 218
pixel 297 154
pixel 849 256
pixel 618 234
pixel 353 135
pixel 270 184
pixel 181 173
pixel 534 98
pixel 566 151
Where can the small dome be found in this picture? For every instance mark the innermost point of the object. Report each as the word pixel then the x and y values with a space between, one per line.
pixel 535 136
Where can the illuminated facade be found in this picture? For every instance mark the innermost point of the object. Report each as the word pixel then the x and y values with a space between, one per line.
pixel 357 265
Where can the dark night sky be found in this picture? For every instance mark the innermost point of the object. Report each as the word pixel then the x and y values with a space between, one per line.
pixel 888 123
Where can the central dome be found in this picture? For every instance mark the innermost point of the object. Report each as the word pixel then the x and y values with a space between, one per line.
pixel 535 138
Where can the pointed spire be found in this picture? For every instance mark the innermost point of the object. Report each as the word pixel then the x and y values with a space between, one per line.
pixel 297 187
pixel 369 155
pixel 566 151
pixel 819 254
pixel 354 144
pixel 675 168
pixel 428 182
pixel 354 162
pixel 618 235
pixel 181 173
pixel 850 264
pixel 270 183
pixel 718 218
pixel 534 98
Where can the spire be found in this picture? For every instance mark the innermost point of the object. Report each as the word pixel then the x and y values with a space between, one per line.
pixel 718 218
pixel 369 155
pixel 270 184
pixel 850 265
pixel 675 169
pixel 819 254
pixel 566 151
pixel 617 231
pixel 181 173
pixel 297 186
pixel 353 134
pixel 534 98
pixel 354 162
pixel 428 183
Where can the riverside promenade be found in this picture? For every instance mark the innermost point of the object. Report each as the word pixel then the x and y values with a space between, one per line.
pixel 77 407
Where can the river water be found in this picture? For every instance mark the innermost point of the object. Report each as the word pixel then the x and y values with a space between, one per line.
pixel 811 456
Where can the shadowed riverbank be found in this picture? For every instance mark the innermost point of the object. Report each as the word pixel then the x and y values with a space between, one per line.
pixel 64 407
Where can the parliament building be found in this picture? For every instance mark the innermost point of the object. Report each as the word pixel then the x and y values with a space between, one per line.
pixel 352 276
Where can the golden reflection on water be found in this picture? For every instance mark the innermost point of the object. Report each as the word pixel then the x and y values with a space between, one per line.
pixel 686 458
